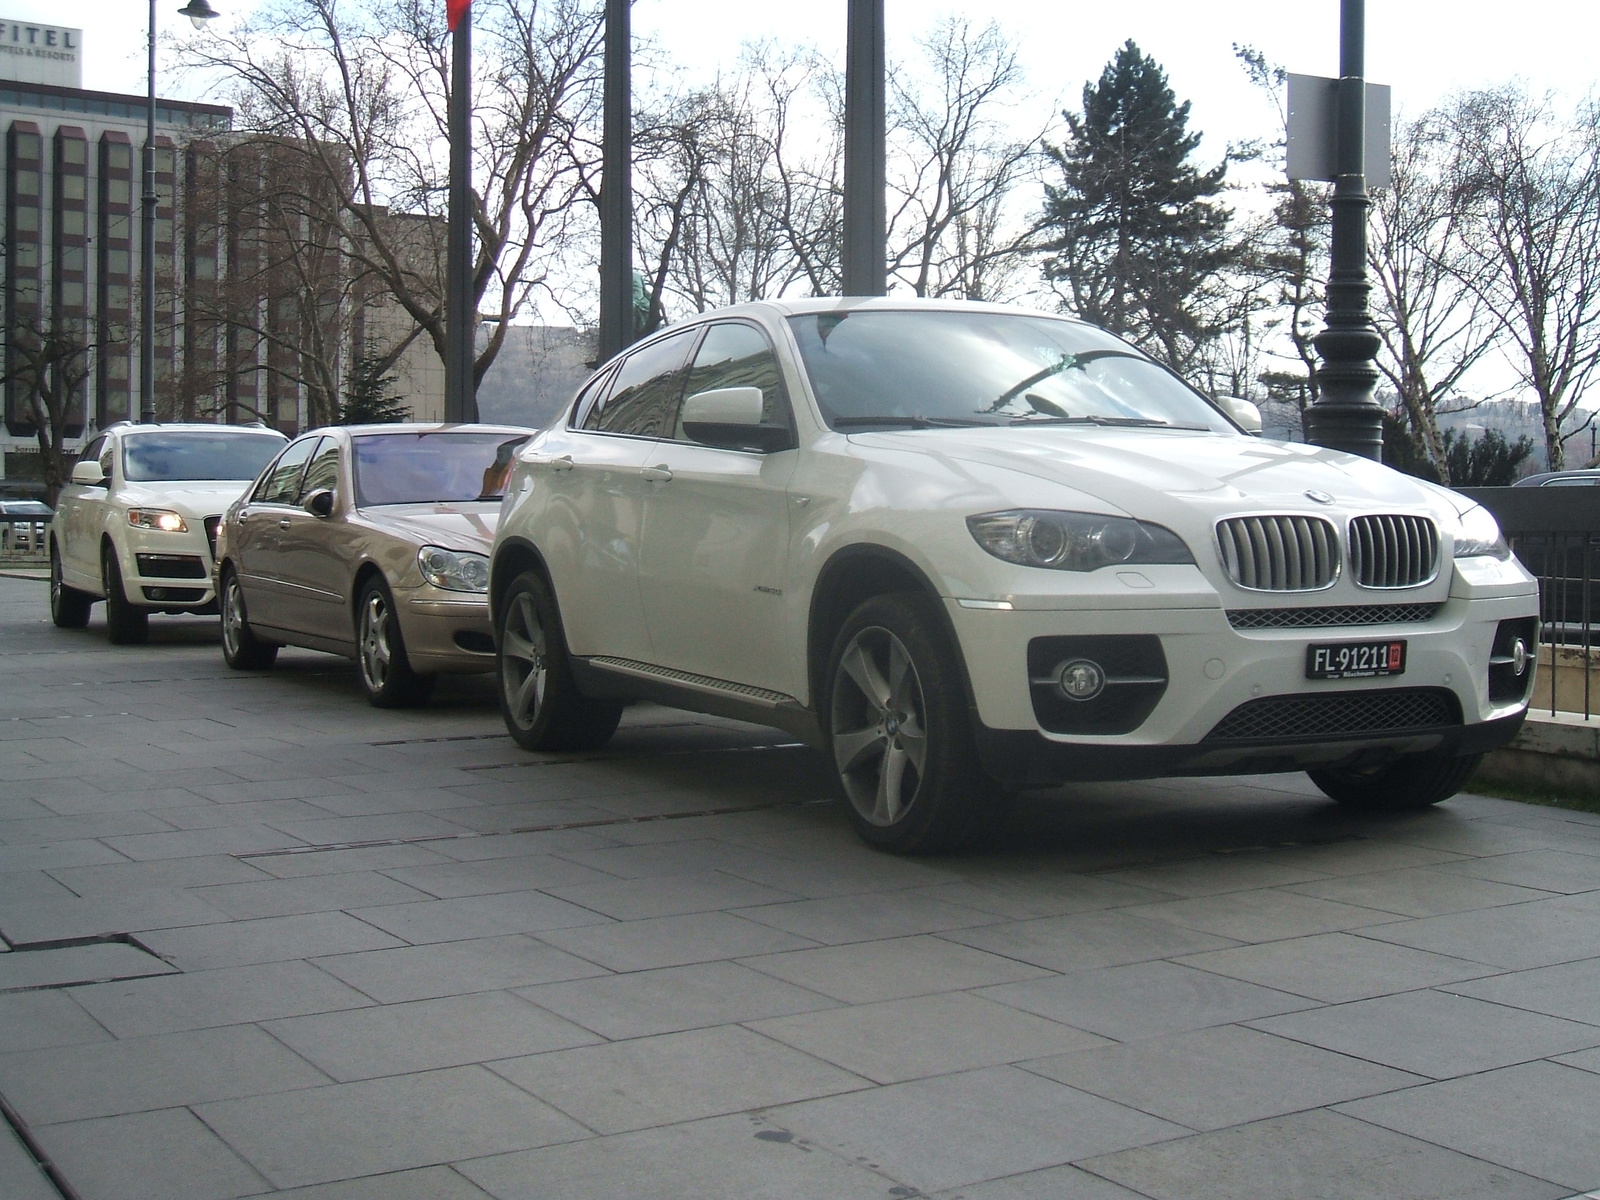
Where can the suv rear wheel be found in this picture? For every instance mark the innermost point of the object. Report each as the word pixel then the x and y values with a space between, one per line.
pixel 126 623
pixel 899 732
pixel 1409 782
pixel 69 608
pixel 539 698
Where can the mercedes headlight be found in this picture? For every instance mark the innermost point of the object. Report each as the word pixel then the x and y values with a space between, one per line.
pixel 163 519
pixel 1477 535
pixel 1073 541
pixel 453 570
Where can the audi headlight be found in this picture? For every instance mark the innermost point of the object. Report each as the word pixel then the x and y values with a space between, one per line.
pixel 1072 541
pixel 453 570
pixel 163 519
pixel 1477 535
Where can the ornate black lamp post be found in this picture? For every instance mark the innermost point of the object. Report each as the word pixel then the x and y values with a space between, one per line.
pixel 1346 415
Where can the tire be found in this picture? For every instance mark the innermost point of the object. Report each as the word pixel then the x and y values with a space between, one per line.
pixel 126 623
pixel 899 734
pixel 69 608
pixel 1404 784
pixel 539 697
pixel 385 670
pixel 241 648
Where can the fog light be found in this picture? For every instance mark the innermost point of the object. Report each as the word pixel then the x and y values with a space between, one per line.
pixel 1519 656
pixel 1080 679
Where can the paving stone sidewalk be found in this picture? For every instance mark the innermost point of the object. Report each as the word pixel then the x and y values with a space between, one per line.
pixel 262 939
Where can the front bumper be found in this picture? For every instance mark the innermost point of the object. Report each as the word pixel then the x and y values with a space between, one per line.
pixel 446 631
pixel 172 572
pixel 1213 669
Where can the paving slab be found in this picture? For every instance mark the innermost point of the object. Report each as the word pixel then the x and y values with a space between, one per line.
pixel 952 1130
pixel 1543 1119
pixel 149 1156
pixel 1316 1155
pixel 893 968
pixel 22 970
pixel 456 968
pixel 1094 939
pixel 25 1179
pixel 1337 967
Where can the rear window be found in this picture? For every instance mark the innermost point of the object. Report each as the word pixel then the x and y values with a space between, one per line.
pixel 424 468
pixel 164 457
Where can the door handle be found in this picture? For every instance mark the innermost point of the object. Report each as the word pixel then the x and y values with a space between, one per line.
pixel 564 463
pixel 657 474
pixel 284 522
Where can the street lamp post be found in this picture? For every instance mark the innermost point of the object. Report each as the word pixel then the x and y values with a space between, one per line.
pixel 865 215
pixel 616 186
pixel 198 12
pixel 1346 415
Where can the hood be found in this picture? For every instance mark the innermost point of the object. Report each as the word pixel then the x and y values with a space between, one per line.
pixel 1141 472
pixel 199 498
pixel 468 526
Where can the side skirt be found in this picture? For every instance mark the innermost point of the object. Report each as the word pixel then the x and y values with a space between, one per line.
pixel 623 679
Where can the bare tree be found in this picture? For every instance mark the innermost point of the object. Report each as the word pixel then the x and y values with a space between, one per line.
pixel 361 94
pixel 1528 184
pixel 956 165
pixel 1434 329
pixel 49 360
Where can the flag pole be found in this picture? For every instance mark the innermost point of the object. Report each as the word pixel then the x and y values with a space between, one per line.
pixel 460 390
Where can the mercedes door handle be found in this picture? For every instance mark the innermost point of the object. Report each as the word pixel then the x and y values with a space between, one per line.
pixel 658 474
pixel 564 463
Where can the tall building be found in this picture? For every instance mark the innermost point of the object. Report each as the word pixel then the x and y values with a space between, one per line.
pixel 257 317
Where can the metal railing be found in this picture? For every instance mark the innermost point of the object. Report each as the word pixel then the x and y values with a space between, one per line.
pixel 1555 532
pixel 24 538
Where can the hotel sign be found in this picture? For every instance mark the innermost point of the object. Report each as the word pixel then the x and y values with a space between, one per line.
pixel 35 53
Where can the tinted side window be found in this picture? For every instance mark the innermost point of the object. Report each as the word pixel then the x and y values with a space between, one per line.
pixel 737 355
pixel 282 482
pixel 644 398
pixel 323 473
pixel 92 450
pixel 583 406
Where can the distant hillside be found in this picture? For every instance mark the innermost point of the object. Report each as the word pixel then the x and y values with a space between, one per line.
pixel 537 372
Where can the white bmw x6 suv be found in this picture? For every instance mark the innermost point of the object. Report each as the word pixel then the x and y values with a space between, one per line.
pixel 965 549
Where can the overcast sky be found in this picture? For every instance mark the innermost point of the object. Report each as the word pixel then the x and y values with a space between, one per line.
pixel 1424 49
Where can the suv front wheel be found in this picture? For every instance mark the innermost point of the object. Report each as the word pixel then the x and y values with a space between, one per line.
pixel 127 624
pixel 1406 783
pixel 899 732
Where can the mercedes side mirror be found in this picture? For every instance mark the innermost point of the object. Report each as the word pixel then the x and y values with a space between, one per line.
pixel 88 473
pixel 731 417
pixel 320 503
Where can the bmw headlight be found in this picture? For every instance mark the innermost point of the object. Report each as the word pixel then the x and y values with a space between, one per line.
pixel 163 519
pixel 453 570
pixel 1477 535
pixel 1073 541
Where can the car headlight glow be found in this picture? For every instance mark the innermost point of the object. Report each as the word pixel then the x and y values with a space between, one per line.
pixel 454 570
pixel 163 519
pixel 1074 541
pixel 1477 535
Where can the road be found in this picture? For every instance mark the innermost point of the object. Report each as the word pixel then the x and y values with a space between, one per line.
pixel 263 939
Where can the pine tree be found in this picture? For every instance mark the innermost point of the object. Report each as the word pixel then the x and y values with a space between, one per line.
pixel 369 397
pixel 1138 243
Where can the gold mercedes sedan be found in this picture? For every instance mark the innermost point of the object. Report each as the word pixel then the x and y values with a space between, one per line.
pixel 369 541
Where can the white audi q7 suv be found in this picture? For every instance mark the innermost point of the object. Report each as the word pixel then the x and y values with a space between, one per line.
pixel 965 549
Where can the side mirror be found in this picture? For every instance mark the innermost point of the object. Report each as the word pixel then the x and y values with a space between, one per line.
pixel 88 472
pixel 1245 414
pixel 320 503
pixel 731 417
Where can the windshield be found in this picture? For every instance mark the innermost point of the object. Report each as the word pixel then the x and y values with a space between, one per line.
pixel 422 468
pixel 165 457
pixel 920 368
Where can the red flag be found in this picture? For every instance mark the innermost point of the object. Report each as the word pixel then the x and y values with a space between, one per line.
pixel 454 10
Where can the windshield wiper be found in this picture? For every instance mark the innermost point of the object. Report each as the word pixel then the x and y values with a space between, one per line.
pixel 916 421
pixel 1112 422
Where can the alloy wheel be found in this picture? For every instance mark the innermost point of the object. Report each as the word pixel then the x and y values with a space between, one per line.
pixel 376 652
pixel 232 617
pixel 524 665
pixel 879 725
